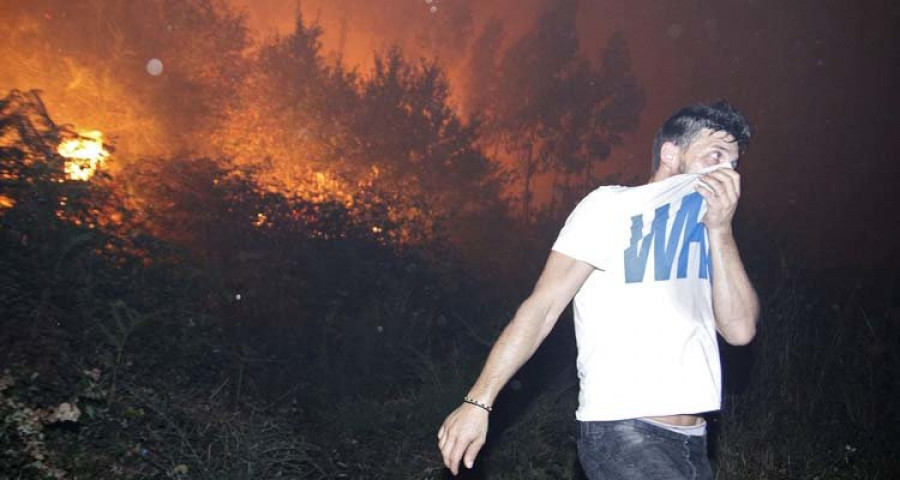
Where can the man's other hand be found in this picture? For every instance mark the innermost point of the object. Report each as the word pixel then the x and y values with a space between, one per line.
pixel 722 190
pixel 462 435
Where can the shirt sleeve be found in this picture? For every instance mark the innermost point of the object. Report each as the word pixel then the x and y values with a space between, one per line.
pixel 586 235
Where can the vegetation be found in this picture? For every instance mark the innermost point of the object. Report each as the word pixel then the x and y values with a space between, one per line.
pixel 211 316
pixel 314 349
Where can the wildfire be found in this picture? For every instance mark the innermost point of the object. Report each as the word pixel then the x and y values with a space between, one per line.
pixel 85 155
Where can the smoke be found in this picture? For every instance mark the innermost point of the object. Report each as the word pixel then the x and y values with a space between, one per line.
pixel 99 66
pixel 162 78
pixel 470 37
pixel 93 60
pixel 447 31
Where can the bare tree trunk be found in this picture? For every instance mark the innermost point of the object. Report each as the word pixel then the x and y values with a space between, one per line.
pixel 554 192
pixel 529 173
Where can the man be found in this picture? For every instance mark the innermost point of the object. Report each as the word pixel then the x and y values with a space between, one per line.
pixel 655 273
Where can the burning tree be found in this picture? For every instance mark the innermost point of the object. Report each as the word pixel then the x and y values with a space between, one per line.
pixel 44 168
pixel 312 129
pixel 89 60
pixel 424 150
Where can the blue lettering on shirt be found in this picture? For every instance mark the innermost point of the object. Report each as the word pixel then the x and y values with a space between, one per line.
pixel 686 227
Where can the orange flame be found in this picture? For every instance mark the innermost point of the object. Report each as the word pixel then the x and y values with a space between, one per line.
pixel 260 220
pixel 85 155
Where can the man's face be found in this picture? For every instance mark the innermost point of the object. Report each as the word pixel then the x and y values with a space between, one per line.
pixel 708 148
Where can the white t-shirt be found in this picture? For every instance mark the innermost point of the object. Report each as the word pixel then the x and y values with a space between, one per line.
pixel 643 320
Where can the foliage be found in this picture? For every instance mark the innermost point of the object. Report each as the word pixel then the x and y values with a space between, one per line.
pixel 183 354
pixel 817 403
pixel 422 148
pixel 22 428
pixel 550 109
pixel 309 128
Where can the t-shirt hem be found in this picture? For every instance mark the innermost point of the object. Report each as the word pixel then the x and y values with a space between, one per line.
pixel 609 417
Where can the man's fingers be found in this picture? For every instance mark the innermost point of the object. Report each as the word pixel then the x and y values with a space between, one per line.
pixel 721 185
pixel 714 182
pixel 706 190
pixel 735 179
pixel 456 454
pixel 446 452
pixel 729 180
pixel 472 452
pixel 462 434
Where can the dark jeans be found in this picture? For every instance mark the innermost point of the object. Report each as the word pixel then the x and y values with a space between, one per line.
pixel 632 449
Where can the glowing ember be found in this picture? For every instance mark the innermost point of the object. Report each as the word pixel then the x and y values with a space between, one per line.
pixel 260 220
pixel 6 202
pixel 85 155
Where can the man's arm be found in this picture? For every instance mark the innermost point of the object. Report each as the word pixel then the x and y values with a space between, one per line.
pixel 464 431
pixel 735 304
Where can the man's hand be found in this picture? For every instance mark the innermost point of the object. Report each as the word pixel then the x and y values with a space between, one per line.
pixel 462 435
pixel 722 195
pixel 465 430
pixel 735 304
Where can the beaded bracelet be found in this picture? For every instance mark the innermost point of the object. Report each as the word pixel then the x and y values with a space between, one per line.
pixel 477 404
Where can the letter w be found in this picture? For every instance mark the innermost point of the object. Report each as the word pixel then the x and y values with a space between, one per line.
pixel 664 246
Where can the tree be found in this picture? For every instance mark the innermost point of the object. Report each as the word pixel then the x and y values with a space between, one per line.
pixel 532 69
pixel 422 149
pixel 595 107
pixel 291 122
pixel 552 109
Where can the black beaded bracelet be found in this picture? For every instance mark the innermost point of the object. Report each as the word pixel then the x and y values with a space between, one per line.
pixel 477 404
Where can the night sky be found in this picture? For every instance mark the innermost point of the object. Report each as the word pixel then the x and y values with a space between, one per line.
pixel 815 78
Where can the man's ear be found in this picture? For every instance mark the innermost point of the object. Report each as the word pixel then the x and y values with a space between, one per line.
pixel 669 156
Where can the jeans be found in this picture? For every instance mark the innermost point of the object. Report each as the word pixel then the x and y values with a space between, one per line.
pixel 632 449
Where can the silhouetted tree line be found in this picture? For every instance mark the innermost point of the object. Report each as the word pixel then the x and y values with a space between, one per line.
pixel 308 126
pixel 550 109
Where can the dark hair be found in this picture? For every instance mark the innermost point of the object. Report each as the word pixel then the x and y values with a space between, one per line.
pixel 683 127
